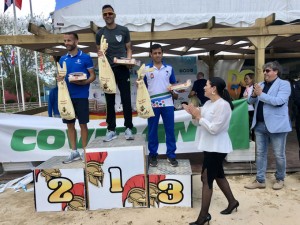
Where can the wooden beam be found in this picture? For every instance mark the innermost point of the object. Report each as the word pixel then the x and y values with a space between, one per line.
pixel 20 40
pixel 187 48
pixel 94 28
pixel 252 56
pixel 270 19
pixel 261 22
pixel 231 42
pixel 34 29
pixel 215 32
pixel 152 28
pixel 260 43
pixel 152 24
pixel 210 61
pixel 211 23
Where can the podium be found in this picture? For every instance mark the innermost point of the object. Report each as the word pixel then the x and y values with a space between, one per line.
pixel 114 175
pixel 170 186
pixel 58 186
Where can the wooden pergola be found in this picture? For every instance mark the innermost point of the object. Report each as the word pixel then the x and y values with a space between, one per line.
pixel 264 39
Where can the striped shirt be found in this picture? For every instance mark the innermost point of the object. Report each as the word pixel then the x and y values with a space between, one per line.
pixel 158 82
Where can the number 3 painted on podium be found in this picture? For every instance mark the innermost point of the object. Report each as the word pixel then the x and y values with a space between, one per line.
pixel 171 191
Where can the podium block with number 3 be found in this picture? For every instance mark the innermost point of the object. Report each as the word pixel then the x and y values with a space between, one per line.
pixel 170 186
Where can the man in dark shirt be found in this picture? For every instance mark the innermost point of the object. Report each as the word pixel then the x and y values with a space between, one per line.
pixel 119 45
pixel 198 88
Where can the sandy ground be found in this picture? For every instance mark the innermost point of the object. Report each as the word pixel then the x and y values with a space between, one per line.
pixel 257 207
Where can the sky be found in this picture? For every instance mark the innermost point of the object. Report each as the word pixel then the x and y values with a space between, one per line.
pixel 39 7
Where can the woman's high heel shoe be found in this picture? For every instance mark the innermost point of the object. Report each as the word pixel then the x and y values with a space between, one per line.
pixel 229 210
pixel 202 221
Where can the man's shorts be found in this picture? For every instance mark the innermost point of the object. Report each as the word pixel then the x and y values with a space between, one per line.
pixel 81 107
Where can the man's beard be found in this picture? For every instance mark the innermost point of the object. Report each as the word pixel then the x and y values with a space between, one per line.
pixel 71 47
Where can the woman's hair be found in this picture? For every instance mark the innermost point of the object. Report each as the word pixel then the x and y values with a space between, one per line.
pixel 220 85
pixel 251 75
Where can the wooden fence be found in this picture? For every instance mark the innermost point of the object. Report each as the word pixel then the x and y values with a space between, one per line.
pixel 17 107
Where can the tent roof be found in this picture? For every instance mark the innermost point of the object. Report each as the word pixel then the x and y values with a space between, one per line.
pixel 165 15
pixel 199 27
pixel 137 15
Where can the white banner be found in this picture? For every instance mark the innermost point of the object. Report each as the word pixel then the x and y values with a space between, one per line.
pixel 35 138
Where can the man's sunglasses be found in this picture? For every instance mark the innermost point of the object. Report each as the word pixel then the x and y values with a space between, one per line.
pixel 267 70
pixel 108 14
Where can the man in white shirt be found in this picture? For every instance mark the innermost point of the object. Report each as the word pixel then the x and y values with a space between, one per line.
pixel 158 83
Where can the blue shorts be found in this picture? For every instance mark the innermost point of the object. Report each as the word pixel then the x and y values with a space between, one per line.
pixel 81 107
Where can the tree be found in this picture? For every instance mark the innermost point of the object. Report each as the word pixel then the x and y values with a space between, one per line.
pixel 27 58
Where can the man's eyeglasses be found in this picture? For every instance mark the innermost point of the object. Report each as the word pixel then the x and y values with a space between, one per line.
pixel 108 14
pixel 267 70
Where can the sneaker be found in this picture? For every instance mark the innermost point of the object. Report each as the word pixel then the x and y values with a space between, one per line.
pixel 173 162
pixel 110 135
pixel 82 156
pixel 152 161
pixel 72 157
pixel 278 185
pixel 255 184
pixel 128 134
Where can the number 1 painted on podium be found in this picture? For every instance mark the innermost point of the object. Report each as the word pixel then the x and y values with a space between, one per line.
pixel 115 179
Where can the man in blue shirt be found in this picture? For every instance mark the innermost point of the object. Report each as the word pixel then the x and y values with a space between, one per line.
pixel 77 62
pixel 52 103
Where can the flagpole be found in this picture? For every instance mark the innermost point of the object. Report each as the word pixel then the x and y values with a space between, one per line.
pixel 19 58
pixel 3 92
pixel 36 63
pixel 44 93
pixel 17 88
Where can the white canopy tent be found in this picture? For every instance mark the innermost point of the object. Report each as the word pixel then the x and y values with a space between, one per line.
pixel 137 15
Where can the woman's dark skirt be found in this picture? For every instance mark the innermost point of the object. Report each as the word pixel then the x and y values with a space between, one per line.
pixel 213 163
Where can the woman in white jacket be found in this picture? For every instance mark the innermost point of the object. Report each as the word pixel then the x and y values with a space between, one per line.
pixel 213 119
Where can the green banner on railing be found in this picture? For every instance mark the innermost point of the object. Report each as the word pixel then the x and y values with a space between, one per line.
pixel 238 129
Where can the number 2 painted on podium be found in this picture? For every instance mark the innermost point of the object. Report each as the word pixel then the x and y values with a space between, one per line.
pixel 61 190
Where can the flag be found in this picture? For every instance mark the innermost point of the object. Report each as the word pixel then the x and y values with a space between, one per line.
pixel 41 63
pixel 12 57
pixel 8 3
